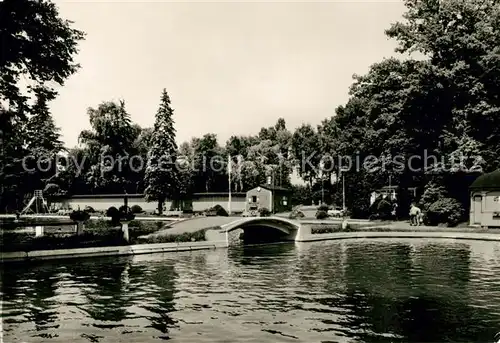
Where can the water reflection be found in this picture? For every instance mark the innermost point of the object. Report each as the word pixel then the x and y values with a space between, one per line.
pixel 36 306
pixel 346 291
pixel 104 288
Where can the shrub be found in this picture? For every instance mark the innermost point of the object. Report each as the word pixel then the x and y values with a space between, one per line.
pixel 264 212
pixel 139 227
pixel 323 229
pixel 384 209
pixel 323 207
pixel 296 214
pixel 360 211
pixel 321 214
pixel 124 209
pixel 136 209
pixel 445 211
pixel 374 206
pixel 218 210
pixel 129 216
pixel 196 236
pixel 112 212
pixel 79 215
pixel 98 225
pixel 89 209
pixel 52 189
pixel 432 193
pixel 124 213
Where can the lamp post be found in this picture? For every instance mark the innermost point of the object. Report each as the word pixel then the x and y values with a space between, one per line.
pixel 229 169
pixel 321 165
pixel 343 192
pixel 344 218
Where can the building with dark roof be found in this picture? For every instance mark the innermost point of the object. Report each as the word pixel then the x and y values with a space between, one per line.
pixel 275 199
pixel 390 192
pixel 485 200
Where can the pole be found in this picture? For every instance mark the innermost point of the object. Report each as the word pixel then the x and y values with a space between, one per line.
pixel 390 189
pixel 343 192
pixel 322 189
pixel 229 181
pixel 280 173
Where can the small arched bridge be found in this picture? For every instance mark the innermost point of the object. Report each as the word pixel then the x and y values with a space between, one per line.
pixel 258 229
pixel 284 225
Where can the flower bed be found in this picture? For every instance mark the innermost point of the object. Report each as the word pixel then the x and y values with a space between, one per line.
pixel 196 236
pixel 332 228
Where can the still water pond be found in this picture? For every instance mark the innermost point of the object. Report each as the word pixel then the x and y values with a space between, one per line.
pixel 348 291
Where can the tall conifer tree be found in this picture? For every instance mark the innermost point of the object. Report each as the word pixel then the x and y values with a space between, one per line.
pixel 161 177
pixel 42 143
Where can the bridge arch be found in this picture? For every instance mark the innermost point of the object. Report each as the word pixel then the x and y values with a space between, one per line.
pixel 284 225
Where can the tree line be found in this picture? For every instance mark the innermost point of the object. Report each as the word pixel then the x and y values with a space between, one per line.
pixel 439 97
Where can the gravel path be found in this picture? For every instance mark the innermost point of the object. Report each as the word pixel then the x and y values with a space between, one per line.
pixel 194 224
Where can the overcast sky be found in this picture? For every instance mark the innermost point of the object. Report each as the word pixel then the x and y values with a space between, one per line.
pixel 229 68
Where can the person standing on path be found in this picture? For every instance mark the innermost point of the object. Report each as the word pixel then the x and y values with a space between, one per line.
pixel 414 214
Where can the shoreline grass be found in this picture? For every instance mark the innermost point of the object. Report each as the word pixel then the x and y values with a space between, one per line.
pixel 329 229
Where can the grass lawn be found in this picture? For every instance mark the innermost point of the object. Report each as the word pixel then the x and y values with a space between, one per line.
pixel 97 233
pixel 393 227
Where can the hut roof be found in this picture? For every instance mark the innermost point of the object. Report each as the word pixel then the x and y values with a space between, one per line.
pixel 487 181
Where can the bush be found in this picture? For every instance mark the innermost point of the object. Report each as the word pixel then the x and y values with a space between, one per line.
pixel 124 209
pixel 89 209
pixel 51 189
pixel 79 215
pixel 136 209
pixel 129 216
pixel 264 212
pixel 296 214
pixel 374 206
pixel 197 236
pixel 124 213
pixel 219 211
pixel 384 209
pixel 112 212
pixel 432 193
pixel 323 207
pixel 139 227
pixel 322 228
pixel 445 211
pixel 321 214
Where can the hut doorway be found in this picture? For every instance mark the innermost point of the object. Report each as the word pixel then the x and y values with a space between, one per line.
pixel 478 209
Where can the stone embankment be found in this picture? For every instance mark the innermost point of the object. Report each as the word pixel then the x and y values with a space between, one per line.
pixel 215 237
pixel 111 251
